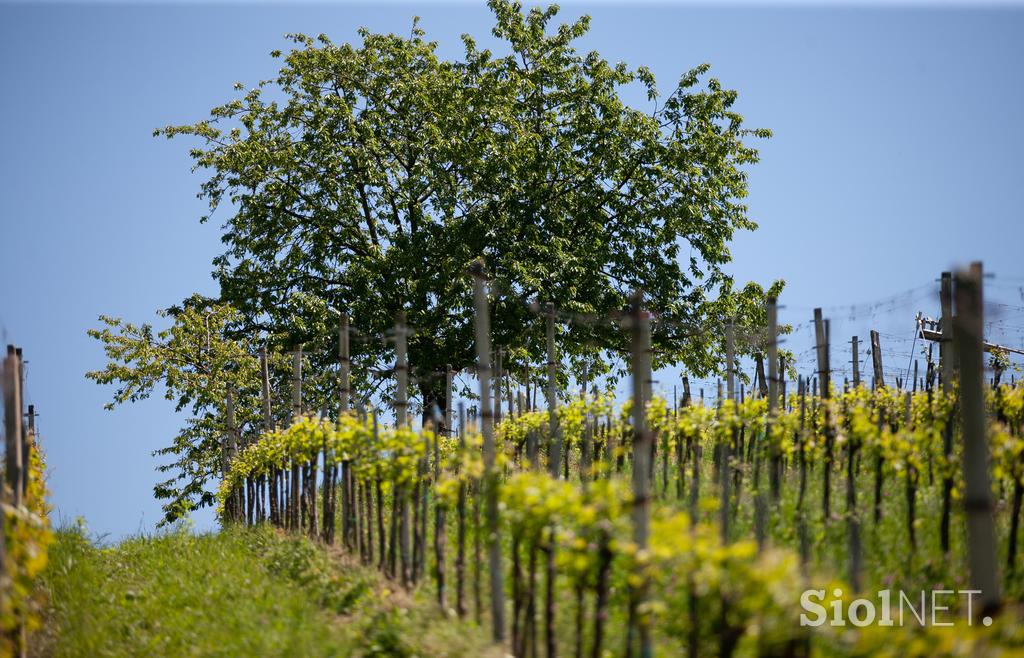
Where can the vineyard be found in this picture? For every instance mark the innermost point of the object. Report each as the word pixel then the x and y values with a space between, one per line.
pixel 757 525
pixel 25 534
pixel 474 372
pixel 671 526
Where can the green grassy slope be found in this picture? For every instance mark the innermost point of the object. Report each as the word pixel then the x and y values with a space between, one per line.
pixel 234 593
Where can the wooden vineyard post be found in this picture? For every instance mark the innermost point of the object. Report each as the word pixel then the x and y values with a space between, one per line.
pixel 483 351
pixel 801 514
pixel 640 328
pixel 730 360
pixel 293 502
pixel 498 359
pixel 23 439
pixel 13 465
pixel 268 426
pixel 225 457
pixel 782 381
pixel 876 359
pixel 344 405
pixel 852 516
pixel 761 387
pixel 440 522
pixel 16 473
pixel 981 539
pixel 682 450
pixel 401 421
pixel 460 555
pixel 910 481
pixel 946 346
pixel 449 378
pixel 587 438
pixel 855 346
pixel 724 450
pixel 555 448
pixel 773 394
pixel 385 549
pixel 230 453
pixel 824 376
pixel 28 446
pixel 760 505
pixel 821 348
pixel 401 373
pixel 344 402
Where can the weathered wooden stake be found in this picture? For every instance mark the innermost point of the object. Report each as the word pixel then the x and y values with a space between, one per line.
pixel 946 357
pixel 483 351
pixel 725 448
pixel 642 439
pixel 856 362
pixel 460 556
pixel 876 359
pixel 295 493
pixel 13 465
pixel 821 331
pixel 402 421
pixel 773 394
pixel 981 538
pixel 555 448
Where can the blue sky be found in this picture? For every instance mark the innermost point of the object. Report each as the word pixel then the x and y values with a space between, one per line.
pixel 896 155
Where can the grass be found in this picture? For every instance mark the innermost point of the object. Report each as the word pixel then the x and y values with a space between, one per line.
pixel 234 593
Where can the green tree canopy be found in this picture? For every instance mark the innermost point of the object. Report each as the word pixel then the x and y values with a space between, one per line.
pixel 367 178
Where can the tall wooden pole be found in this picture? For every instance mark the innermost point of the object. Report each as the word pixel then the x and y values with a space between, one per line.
pixel 344 405
pixel 449 377
pixel 13 465
pixel 730 360
pixel 946 344
pixel 229 453
pixel 296 415
pixel 555 451
pixel 773 393
pixel 725 449
pixel 587 439
pixel 946 347
pixel 876 359
pixel 821 331
pixel 981 537
pixel 821 347
pixel 773 356
pixel 27 447
pixel 23 439
pixel 401 373
pixel 401 421
pixel 268 417
pixel 855 343
pixel 345 363
pixel 483 352
pixel 498 354
pixel 642 442
pixel 268 426
pixel 296 384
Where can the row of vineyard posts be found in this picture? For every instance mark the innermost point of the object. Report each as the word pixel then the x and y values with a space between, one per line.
pixel 388 487
pixel 24 527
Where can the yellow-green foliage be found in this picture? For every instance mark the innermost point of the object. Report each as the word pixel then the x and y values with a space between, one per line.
pixel 388 454
pixel 697 586
pixel 27 537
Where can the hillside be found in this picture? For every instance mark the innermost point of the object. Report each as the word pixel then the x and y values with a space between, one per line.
pixel 233 593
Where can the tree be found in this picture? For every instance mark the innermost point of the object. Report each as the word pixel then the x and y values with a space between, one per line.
pixel 367 178
pixel 195 363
